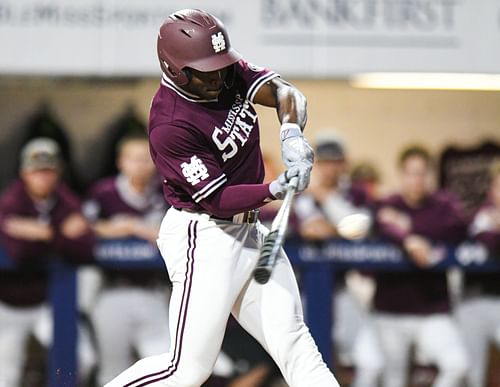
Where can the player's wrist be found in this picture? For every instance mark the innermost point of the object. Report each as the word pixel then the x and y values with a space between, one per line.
pixel 289 130
pixel 276 190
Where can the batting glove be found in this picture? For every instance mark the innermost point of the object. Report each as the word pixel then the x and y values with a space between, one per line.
pixel 296 152
pixel 279 186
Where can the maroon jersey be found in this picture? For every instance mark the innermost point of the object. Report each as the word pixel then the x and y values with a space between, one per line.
pixel 27 284
pixel 420 291
pixel 199 146
pixel 487 233
pixel 113 197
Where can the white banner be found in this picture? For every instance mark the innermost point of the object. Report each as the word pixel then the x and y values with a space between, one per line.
pixel 300 38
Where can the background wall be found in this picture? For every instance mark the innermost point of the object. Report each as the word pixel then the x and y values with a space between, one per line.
pixel 374 123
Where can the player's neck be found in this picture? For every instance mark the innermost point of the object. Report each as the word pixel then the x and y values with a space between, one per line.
pixel 413 201
pixel 138 185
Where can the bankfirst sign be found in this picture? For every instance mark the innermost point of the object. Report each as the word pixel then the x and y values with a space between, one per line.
pixel 300 38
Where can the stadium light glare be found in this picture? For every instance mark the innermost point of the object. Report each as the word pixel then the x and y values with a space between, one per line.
pixel 427 81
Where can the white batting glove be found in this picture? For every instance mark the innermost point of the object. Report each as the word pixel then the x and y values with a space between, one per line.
pixel 296 152
pixel 279 186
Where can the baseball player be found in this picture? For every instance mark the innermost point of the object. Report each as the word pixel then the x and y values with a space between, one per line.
pixel 131 312
pixel 413 309
pixel 478 314
pixel 39 217
pixel 204 140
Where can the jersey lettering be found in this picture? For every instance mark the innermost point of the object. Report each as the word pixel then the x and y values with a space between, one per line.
pixel 194 171
pixel 238 127
pixel 222 145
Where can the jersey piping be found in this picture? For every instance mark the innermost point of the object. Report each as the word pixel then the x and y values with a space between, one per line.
pixel 209 188
pixel 256 85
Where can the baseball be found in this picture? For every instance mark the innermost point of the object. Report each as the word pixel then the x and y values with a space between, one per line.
pixel 354 226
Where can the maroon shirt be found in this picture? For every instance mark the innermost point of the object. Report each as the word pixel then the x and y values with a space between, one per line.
pixel 111 197
pixel 419 291
pixel 28 283
pixel 201 147
pixel 484 283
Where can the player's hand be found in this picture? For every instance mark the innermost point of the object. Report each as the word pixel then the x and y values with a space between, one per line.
pixel 419 250
pixel 74 226
pixel 29 229
pixel 390 216
pixel 296 152
pixel 279 186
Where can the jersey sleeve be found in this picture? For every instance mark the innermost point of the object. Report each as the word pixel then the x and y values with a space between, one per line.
pixel 254 77
pixel 185 161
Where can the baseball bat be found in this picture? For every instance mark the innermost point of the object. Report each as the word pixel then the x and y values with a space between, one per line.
pixel 274 240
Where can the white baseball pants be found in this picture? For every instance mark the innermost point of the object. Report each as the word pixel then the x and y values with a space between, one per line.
pixel 436 339
pixel 210 264
pixel 127 318
pixel 479 320
pixel 16 324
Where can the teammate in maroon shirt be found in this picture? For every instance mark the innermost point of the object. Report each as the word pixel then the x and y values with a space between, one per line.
pixel 204 140
pixel 39 218
pixel 414 307
pixel 479 313
pixel 131 312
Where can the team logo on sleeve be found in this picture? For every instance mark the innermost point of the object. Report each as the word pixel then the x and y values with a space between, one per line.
pixel 218 42
pixel 194 171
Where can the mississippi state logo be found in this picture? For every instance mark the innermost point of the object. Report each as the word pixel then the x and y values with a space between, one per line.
pixel 194 171
pixel 218 42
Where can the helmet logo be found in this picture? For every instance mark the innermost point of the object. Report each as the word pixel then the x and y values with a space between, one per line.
pixel 218 42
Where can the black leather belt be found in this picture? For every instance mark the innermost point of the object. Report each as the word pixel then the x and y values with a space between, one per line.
pixel 250 216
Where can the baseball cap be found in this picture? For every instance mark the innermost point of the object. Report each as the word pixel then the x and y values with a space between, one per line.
pixel 40 153
pixel 329 146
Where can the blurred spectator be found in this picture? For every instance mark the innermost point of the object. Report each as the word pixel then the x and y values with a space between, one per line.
pixel 131 312
pixel 40 218
pixel 413 308
pixel 366 177
pixel 329 198
pixel 102 163
pixel 479 314
pixel 45 123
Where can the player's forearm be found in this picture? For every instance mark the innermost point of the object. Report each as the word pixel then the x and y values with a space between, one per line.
pixel 149 233
pixel 392 233
pixel 291 105
pixel 237 198
pixel 110 229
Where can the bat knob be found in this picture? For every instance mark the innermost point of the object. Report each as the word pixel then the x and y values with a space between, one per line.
pixel 262 271
pixel 262 275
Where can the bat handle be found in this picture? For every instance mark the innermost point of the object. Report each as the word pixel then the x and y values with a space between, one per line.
pixel 294 182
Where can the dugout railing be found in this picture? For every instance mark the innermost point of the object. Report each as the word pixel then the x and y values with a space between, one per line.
pixel 317 264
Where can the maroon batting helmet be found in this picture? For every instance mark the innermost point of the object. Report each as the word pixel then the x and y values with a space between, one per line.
pixel 193 38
